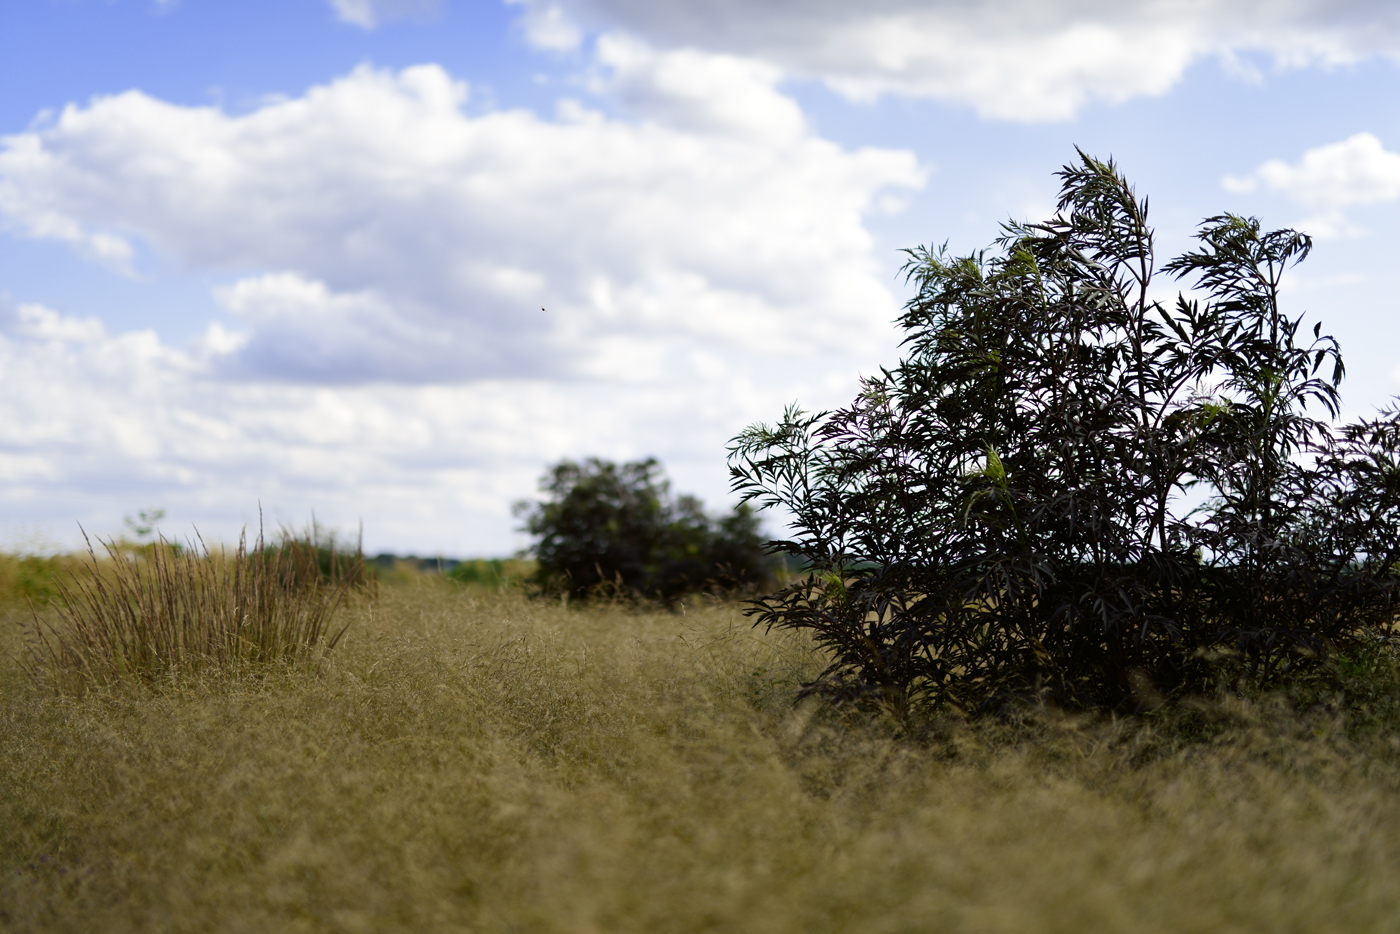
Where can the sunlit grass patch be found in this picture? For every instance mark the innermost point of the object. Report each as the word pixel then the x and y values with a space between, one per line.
pixel 470 759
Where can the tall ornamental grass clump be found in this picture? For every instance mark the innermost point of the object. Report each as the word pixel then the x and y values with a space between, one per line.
pixel 1070 491
pixel 164 611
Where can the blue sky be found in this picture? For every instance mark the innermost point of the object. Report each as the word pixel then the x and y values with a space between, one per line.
pixel 295 253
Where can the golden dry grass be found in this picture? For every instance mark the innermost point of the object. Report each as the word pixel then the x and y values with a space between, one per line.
pixel 167 611
pixel 473 761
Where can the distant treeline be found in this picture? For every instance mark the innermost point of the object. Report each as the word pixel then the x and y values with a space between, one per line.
pixel 486 571
pixel 443 565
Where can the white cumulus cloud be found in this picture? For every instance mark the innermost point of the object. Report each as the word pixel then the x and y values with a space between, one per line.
pixel 429 239
pixel 93 424
pixel 1358 170
pixel 1024 60
pixel 549 26
pixel 368 14
pixel 389 255
pixel 699 91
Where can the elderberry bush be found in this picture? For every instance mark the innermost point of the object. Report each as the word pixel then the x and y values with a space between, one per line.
pixel 1070 491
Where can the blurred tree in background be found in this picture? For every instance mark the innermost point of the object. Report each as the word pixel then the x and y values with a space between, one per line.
pixel 616 529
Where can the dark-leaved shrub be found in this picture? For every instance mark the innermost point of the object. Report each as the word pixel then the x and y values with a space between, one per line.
pixel 605 527
pixel 1068 490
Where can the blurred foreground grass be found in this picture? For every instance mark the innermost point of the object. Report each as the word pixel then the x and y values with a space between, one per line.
pixel 470 760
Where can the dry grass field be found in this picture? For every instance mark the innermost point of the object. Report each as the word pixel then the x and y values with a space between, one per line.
pixel 472 760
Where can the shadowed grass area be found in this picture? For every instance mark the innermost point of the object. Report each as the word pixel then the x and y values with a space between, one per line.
pixel 468 759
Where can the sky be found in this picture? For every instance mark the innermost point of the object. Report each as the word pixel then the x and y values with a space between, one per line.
pixel 381 262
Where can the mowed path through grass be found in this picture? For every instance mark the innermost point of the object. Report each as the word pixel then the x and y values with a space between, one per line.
pixel 475 761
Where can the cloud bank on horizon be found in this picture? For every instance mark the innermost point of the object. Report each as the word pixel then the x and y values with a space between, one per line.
pixel 386 245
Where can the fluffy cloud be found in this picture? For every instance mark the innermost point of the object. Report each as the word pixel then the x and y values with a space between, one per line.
pixel 367 14
pixel 1027 60
pixel 98 423
pixel 719 94
pixel 99 414
pixel 549 26
pixel 428 240
pixel 1356 171
pixel 389 256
